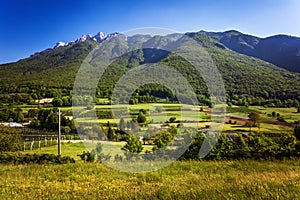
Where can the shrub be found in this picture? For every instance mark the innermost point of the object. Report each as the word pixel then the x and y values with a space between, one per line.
pixel 141 118
pixel 133 145
pixel 280 119
pixel 88 156
pixel 101 156
pixel 172 119
pixel 162 139
pixel 10 139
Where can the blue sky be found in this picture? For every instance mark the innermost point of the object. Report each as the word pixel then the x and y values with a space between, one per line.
pixel 29 26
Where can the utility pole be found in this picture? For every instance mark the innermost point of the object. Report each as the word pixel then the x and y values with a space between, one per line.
pixel 59 133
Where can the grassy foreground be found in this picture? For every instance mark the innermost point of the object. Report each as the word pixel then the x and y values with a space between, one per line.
pixel 181 180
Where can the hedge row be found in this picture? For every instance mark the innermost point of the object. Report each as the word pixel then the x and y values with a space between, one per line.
pixel 18 158
pixel 255 146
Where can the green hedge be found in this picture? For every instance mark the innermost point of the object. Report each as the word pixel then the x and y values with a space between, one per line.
pixel 19 158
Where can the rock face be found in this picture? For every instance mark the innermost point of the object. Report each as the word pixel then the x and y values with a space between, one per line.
pixel 61 44
pixel 99 37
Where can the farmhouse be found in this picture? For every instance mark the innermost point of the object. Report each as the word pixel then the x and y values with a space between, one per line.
pixel 11 124
pixel 45 100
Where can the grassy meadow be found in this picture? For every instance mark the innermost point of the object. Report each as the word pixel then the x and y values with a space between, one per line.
pixel 180 180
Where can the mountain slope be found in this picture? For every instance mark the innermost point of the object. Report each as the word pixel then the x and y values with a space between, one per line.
pixel 248 81
pixel 280 50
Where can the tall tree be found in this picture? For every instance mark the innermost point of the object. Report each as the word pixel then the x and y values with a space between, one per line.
pixel 141 118
pixel 110 133
pixel 297 132
pixel 122 125
pixel 254 117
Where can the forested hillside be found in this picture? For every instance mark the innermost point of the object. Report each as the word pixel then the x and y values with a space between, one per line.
pixel 248 81
pixel 280 50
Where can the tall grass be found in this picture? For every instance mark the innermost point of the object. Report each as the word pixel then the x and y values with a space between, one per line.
pixel 181 180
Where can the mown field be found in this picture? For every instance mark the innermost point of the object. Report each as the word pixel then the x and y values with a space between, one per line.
pixel 180 180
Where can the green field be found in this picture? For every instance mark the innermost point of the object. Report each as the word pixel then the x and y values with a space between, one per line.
pixel 180 180
pixel 68 149
pixel 264 128
pixel 73 149
pixel 181 112
pixel 192 115
pixel 289 114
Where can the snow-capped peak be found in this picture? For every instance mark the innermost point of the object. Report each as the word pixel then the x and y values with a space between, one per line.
pixel 61 44
pixel 99 37
pixel 83 38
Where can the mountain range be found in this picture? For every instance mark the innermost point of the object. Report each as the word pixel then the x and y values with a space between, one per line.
pixel 280 50
pixel 251 67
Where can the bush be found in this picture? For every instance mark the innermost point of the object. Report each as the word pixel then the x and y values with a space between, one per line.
pixel 10 139
pixel 141 118
pixel 133 145
pixel 280 119
pixel 162 139
pixel 101 156
pixel 88 156
pixel 172 119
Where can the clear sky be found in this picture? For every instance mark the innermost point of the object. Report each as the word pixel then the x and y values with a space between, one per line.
pixel 29 26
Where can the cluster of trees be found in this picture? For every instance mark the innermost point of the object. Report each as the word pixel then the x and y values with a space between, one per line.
pixel 48 119
pixel 15 94
pixel 257 146
pixel 11 115
pixel 253 146
pixel 142 99
pixel 262 100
